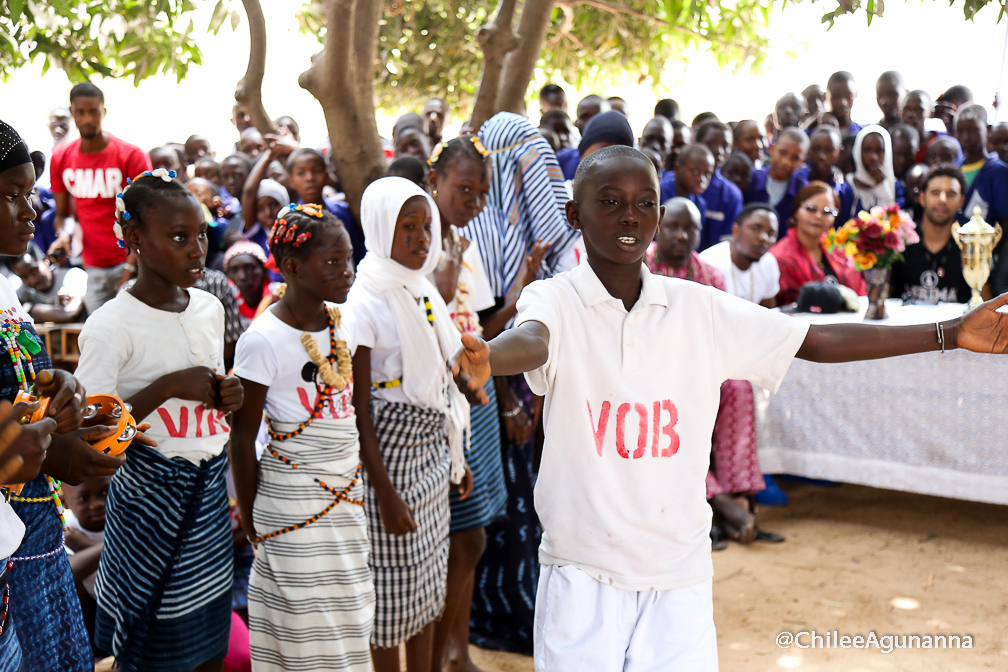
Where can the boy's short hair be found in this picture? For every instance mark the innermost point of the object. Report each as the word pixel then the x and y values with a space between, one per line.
pixel 604 154
pixel 793 134
pixel 831 131
pixel 410 167
pixel 909 131
pixel 693 151
pixel 301 152
pixel 86 90
pixel 549 116
pixel 667 108
pixel 713 126
pixel 551 90
pixel 945 171
pixel 838 78
pixel 748 210
pixel 971 111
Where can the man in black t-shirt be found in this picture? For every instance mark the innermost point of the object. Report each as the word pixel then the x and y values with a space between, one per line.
pixel 931 270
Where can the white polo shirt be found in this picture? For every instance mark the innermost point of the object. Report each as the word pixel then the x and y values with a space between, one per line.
pixel 758 282
pixel 631 400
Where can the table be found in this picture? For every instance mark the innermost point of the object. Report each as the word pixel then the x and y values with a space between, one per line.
pixel 927 423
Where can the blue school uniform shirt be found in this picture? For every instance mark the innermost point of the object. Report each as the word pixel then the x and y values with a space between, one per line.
pixel 843 189
pixel 989 191
pixel 342 212
pixel 724 203
pixel 569 160
pixel 757 193
pixel 857 206
pixel 668 191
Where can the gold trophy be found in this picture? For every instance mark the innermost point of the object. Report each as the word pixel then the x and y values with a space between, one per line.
pixel 977 240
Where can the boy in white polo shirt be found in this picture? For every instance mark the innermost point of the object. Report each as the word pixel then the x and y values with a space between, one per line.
pixel 631 366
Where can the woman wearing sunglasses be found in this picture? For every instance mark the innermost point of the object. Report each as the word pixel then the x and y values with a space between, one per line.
pixel 802 255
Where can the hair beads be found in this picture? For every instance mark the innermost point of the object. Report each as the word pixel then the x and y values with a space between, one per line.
pixel 122 214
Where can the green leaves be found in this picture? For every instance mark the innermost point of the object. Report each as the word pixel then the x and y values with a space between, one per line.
pixel 111 38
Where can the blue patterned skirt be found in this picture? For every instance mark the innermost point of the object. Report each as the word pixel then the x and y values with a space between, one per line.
pixel 484 457
pixel 164 580
pixel 503 606
pixel 44 605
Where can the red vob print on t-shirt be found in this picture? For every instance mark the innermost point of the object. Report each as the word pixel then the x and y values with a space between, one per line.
pixel 94 180
pixel 656 420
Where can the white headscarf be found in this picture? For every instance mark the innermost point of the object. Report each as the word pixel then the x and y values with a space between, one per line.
pixel 883 193
pixel 426 381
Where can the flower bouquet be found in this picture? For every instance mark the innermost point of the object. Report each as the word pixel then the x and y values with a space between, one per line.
pixel 872 242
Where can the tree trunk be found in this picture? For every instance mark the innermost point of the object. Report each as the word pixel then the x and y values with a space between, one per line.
pixel 341 77
pixel 249 89
pixel 497 40
pixel 532 29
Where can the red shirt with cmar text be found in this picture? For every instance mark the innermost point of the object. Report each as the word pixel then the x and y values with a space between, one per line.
pixel 94 180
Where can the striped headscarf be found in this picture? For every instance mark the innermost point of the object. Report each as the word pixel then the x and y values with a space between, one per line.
pixel 526 202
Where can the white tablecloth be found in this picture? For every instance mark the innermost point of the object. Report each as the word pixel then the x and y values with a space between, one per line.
pixel 927 423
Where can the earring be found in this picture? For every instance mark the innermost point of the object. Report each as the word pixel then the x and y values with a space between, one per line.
pixel 434 193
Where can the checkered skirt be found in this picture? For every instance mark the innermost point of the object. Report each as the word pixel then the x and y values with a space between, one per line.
pixel 410 572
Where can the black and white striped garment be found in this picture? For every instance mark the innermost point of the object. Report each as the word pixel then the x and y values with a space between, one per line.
pixel 164 580
pixel 526 202
pixel 311 599
pixel 410 572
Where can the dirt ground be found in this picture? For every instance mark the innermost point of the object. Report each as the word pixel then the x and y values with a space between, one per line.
pixel 858 560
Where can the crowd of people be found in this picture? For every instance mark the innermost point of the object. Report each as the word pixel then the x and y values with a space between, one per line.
pixel 362 431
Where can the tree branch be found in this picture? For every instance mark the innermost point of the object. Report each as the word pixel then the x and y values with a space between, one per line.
pixel 568 25
pixel 532 29
pixel 249 89
pixel 497 40
pixel 617 9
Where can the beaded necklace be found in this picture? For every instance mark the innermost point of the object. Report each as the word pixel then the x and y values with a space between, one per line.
pixel 21 345
pixel 334 381
pixel 5 605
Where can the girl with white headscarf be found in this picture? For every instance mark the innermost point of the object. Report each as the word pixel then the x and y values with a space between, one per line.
pixel 874 179
pixel 410 415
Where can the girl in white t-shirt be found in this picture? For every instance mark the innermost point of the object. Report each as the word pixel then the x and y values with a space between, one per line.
pixel 166 570
pixel 410 415
pixel 311 598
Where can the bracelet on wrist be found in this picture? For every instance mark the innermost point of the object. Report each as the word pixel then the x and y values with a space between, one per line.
pixel 513 412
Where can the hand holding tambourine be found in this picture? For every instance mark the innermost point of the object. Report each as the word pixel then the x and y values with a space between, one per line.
pixel 98 405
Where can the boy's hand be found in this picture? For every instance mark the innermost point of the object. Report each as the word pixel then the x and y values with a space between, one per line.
pixel 533 262
pixel 465 488
pixel 280 144
pixel 196 384
pixel 67 398
pixel 396 515
pixel 230 394
pixel 471 368
pixel 982 329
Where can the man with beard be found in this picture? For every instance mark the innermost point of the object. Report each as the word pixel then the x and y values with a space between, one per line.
pixel 92 170
pixel 931 270
pixel 749 272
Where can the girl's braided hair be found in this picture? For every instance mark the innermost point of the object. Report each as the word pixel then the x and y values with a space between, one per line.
pixel 296 229
pixel 145 192
pixel 448 152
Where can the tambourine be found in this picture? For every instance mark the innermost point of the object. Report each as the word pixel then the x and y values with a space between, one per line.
pixel 30 398
pixel 109 404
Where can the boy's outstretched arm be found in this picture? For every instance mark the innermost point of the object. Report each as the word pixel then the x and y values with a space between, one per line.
pixel 982 329
pixel 517 350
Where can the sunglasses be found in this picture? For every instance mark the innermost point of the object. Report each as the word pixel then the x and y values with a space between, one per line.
pixel 811 209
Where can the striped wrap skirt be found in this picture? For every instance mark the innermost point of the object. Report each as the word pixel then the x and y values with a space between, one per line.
pixel 410 571
pixel 164 581
pixel 311 598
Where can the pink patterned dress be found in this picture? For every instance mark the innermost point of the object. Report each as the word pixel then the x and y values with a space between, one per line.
pixel 734 466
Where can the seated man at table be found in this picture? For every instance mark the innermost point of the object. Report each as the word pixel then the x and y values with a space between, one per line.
pixel 931 270
pixel 49 293
pixel 749 272
pixel 734 476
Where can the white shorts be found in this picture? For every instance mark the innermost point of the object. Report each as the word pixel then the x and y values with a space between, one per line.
pixel 582 624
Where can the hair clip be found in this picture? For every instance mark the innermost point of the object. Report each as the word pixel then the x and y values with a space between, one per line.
pixel 302 238
pixel 478 144
pixel 291 232
pixel 166 175
pixel 286 210
pixel 310 209
pixel 436 153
